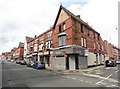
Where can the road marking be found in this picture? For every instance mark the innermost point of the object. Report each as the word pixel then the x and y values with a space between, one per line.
pixel 117 71
pixel 74 78
pixel 63 76
pixel 113 85
pixel 67 76
pixel 109 76
pixel 98 73
pixel 108 86
pixel 80 80
pixel 87 81
pixel 54 74
pixel 103 83
pixel 107 68
pixel 99 82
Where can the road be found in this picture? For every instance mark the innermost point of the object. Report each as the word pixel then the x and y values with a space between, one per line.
pixel 15 75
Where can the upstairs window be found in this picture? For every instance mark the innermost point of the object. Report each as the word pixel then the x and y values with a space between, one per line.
pixel 83 42
pixel 64 26
pixel 48 44
pixel 60 28
pixel 62 39
pixel 98 46
pixel 41 46
pixel 94 45
pixel 31 49
pixel 35 49
pixel 82 28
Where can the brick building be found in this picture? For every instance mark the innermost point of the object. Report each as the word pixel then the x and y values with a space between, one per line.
pixel 26 50
pixel 70 44
pixel 76 44
pixel 18 53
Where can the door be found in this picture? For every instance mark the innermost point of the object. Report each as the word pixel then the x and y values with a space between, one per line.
pixel 76 62
pixel 67 62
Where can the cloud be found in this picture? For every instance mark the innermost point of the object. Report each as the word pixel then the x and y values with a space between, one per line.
pixel 20 18
pixel 102 15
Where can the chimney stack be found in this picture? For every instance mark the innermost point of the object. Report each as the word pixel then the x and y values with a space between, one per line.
pixel 78 16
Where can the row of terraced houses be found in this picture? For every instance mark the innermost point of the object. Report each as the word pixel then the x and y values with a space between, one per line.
pixel 70 44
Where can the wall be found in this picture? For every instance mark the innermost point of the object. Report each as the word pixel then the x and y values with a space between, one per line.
pixel 58 62
pixel 82 62
pixel 71 62
pixel 91 59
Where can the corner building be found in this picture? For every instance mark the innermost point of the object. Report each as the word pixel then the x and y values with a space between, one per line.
pixel 76 45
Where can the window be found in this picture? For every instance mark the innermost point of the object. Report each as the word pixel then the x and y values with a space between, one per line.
pixel 49 44
pixel 85 42
pixel 98 46
pixel 35 49
pixel 64 27
pixel 60 28
pixel 62 39
pixel 98 36
pixel 94 35
pixel 30 49
pixel 41 47
pixel 102 48
pixel 88 32
pixel 49 34
pixel 82 28
pixel 82 42
pixel 94 45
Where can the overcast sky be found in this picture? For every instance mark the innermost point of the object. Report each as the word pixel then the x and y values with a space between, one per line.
pixel 20 18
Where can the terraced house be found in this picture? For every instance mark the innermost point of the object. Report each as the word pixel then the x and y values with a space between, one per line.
pixel 75 44
pixel 70 44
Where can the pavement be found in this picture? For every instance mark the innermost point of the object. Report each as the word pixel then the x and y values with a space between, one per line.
pixel 78 72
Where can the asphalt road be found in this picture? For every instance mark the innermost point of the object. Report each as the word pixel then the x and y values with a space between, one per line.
pixel 15 75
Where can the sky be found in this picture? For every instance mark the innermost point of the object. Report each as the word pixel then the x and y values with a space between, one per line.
pixel 20 18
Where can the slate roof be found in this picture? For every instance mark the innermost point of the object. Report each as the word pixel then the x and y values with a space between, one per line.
pixel 28 39
pixel 70 14
pixel 21 44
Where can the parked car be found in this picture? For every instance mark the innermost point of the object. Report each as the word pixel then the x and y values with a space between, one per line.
pixel 35 64
pixel 22 62
pixel 30 64
pixel 12 60
pixel 117 61
pixel 18 61
pixel 110 63
pixel 40 66
pixel 8 59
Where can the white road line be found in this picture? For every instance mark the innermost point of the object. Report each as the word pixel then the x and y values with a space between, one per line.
pixel 63 76
pixel 54 74
pixel 113 85
pixel 99 82
pixel 87 81
pixel 109 76
pixel 80 80
pixel 103 83
pixel 67 76
pixel 108 86
pixel 117 71
pixel 74 78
